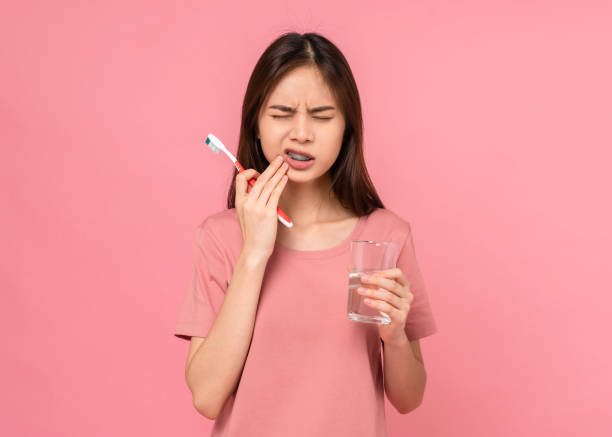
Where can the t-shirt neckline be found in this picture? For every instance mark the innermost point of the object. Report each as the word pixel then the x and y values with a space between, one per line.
pixel 323 253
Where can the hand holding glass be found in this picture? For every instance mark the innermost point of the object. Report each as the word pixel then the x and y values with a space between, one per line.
pixel 367 257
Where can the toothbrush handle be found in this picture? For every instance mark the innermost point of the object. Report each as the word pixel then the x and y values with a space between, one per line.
pixel 282 216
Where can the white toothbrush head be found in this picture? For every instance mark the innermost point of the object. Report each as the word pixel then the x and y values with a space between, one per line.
pixel 212 145
pixel 217 146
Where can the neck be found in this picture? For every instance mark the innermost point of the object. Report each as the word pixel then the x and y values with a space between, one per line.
pixel 311 202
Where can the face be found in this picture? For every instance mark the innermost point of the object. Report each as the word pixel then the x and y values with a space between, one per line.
pixel 301 114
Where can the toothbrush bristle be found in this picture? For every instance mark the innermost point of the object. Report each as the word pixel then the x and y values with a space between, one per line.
pixel 212 145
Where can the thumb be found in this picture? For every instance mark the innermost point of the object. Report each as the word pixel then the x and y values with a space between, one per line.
pixel 242 178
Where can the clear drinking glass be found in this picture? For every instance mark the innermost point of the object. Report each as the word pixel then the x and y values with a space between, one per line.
pixel 367 257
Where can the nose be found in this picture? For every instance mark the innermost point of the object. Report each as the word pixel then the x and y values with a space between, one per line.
pixel 302 128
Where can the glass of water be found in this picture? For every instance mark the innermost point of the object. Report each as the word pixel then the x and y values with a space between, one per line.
pixel 367 257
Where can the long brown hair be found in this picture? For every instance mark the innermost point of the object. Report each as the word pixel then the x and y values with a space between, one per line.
pixel 351 183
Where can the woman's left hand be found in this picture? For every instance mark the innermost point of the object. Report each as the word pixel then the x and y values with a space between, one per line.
pixel 392 297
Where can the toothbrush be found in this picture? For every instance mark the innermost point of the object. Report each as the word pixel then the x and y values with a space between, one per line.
pixel 217 146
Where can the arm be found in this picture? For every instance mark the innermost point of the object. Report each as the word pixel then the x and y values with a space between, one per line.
pixel 214 365
pixel 404 374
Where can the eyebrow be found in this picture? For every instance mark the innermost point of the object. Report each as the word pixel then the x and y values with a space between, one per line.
pixel 292 110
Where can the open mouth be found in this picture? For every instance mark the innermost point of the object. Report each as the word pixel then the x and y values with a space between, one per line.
pixel 298 161
pixel 299 156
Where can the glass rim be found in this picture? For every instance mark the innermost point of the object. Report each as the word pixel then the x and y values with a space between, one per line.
pixel 378 243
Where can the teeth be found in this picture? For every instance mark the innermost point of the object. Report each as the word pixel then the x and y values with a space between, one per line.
pixel 299 157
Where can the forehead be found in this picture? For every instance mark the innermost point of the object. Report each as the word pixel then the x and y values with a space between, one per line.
pixel 302 85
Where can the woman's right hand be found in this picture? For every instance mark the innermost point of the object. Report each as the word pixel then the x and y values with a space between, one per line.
pixel 256 207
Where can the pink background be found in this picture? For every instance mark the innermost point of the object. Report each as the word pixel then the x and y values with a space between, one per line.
pixel 487 126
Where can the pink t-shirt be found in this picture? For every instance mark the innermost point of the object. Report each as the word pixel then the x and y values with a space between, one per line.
pixel 310 370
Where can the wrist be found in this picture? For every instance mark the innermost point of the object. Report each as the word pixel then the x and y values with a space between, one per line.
pixel 251 258
pixel 398 342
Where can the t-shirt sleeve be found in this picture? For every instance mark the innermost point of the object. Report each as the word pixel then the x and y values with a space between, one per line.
pixel 206 288
pixel 420 321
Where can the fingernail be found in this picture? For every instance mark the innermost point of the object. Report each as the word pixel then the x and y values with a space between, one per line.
pixel 279 158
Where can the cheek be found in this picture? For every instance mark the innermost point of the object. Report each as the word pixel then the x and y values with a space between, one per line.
pixel 335 137
pixel 329 154
pixel 333 143
pixel 275 132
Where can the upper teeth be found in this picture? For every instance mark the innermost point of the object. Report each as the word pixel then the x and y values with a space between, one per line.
pixel 299 157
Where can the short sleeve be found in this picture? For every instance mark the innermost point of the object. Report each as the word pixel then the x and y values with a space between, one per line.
pixel 206 288
pixel 420 321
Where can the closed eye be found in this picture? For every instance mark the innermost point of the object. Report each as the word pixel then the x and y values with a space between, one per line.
pixel 286 116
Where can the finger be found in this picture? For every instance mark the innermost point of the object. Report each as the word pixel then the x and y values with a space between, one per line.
pixel 394 273
pixel 389 284
pixel 390 310
pixel 274 180
pixel 242 179
pixel 265 176
pixel 278 189
pixel 382 294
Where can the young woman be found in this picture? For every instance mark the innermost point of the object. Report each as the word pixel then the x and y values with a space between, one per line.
pixel 272 351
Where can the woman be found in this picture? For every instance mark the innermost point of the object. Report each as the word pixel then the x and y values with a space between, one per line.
pixel 272 352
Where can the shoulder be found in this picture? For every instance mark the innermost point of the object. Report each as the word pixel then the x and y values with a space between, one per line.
pixel 384 224
pixel 220 228
pixel 385 218
pixel 220 220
